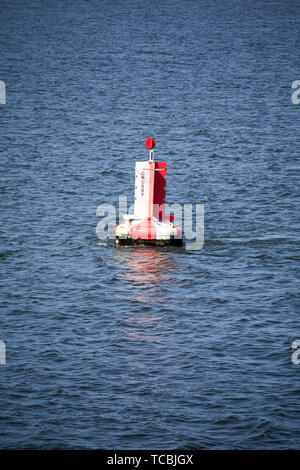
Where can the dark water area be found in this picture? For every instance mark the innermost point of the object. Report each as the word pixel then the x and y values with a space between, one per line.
pixel 148 348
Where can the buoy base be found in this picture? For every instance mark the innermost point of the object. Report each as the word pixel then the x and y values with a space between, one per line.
pixel 147 242
pixel 148 232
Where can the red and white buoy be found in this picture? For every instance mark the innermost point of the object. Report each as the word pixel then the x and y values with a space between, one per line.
pixel 149 224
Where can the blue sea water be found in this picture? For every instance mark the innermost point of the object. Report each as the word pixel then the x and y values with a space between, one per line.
pixel 147 348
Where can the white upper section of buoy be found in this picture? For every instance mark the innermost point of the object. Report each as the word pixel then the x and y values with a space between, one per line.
pixel 143 196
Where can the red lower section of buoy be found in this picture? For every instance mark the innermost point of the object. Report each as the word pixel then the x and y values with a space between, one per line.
pixel 145 230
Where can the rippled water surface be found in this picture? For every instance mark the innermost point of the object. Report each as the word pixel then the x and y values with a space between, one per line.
pixel 141 348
